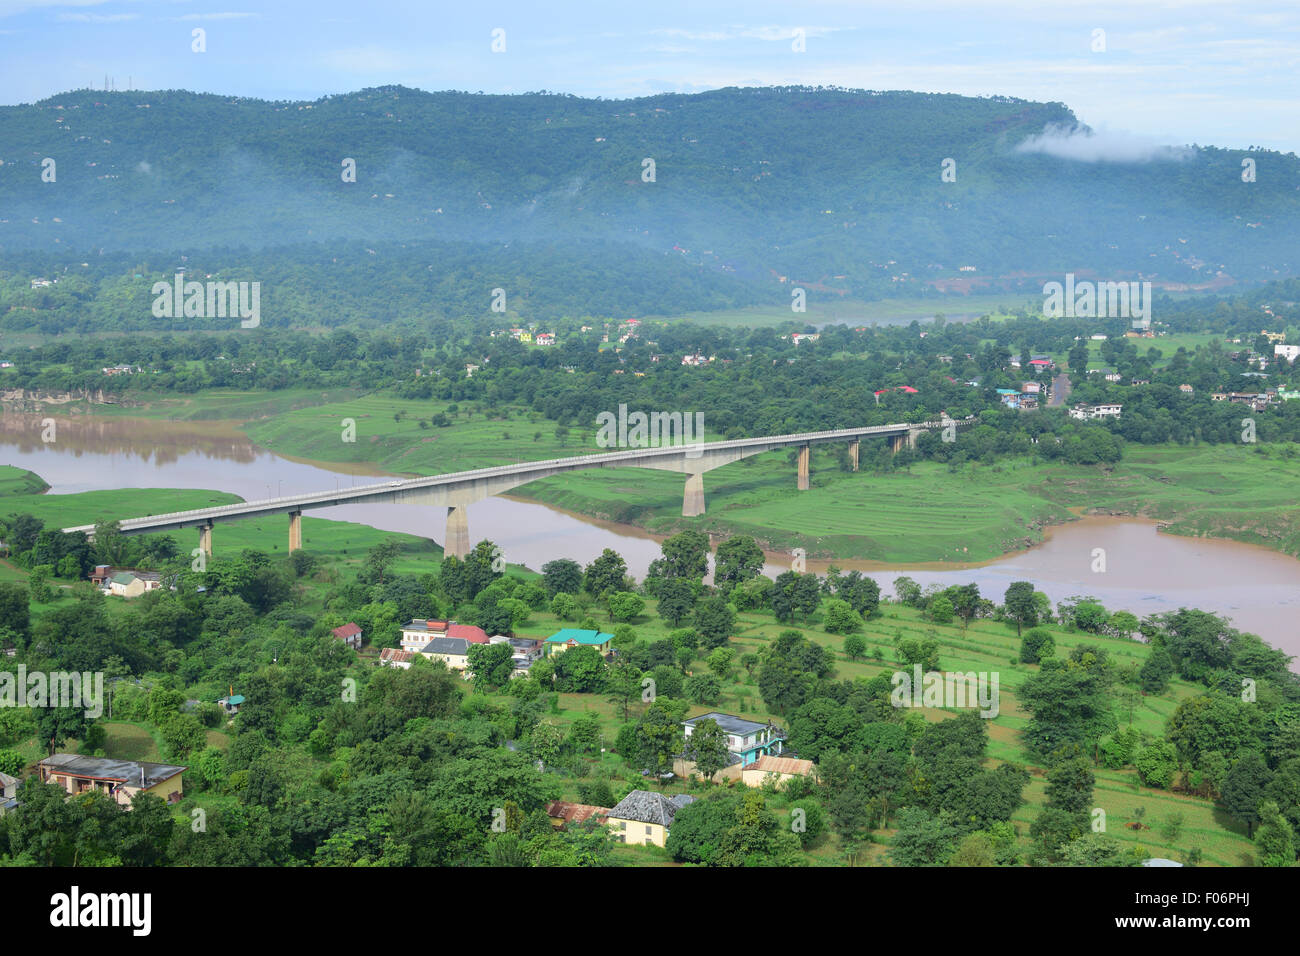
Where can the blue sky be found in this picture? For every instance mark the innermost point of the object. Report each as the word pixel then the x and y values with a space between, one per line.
pixel 1174 71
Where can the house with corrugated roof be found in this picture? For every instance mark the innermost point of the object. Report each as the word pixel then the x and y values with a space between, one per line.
pixel 349 634
pixel 779 769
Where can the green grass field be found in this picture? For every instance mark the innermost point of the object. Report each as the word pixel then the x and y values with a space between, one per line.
pixel 19 482
pixel 829 308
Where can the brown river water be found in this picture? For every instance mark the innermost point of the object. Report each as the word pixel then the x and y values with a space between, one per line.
pixel 1145 571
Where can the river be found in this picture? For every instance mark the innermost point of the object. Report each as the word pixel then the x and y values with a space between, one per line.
pixel 1145 571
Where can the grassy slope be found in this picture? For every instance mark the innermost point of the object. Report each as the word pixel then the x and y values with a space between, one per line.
pixel 985 646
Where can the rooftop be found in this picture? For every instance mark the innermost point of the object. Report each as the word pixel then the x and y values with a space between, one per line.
pixel 728 722
pixel 579 636
pixel 446 645
pixel 643 806
pixel 105 768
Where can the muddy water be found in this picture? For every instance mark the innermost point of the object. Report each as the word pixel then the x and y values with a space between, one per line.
pixel 1145 571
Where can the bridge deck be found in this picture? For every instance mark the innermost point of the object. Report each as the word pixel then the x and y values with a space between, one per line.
pixel 626 457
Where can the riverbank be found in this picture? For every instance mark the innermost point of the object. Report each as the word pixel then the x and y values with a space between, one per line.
pixel 927 515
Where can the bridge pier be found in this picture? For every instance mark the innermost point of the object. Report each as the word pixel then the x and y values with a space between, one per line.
pixel 457 539
pixel 295 531
pixel 855 448
pixel 205 539
pixel 693 498
pixel 896 443
pixel 912 435
pixel 805 456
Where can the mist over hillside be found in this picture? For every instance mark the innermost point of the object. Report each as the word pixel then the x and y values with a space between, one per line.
pixel 837 190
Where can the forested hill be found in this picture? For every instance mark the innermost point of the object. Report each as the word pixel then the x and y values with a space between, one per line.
pixel 839 190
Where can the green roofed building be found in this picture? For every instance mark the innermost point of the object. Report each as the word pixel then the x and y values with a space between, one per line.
pixel 569 637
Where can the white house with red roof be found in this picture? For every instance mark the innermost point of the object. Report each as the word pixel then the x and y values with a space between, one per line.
pixel 349 634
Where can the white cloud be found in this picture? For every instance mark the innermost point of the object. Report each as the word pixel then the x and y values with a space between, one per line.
pixel 1100 146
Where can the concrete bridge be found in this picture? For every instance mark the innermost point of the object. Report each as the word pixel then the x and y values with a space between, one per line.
pixel 455 491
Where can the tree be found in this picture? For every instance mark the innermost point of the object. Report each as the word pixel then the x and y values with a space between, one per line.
pixel 659 738
pixel 623 684
pixel 1020 605
pixel 707 746
pixel 605 574
pixel 562 575
pixel 564 606
pixel 975 849
pixel 1274 840
pixel 625 606
pixel 1157 764
pixel 1036 645
pixel 1243 789
pixel 1069 786
pixel 940 609
pixel 922 839
pixel 719 661
pixel 855 646
pixel 1156 670
pixel 699 828
pixel 965 600
pixel 676 600
pixel 14 609
pixel 715 620
pixel 840 618
pixel 491 664
pixel 579 670
pixel 1123 624
pixel 685 556
pixel 737 560
pixel 907 590
pixel 703 689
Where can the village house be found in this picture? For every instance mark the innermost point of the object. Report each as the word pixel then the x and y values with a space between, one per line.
pixel 1186 389
pixel 523 651
pixel 1089 412
pixel 419 632
pixel 780 769
pixel 396 657
pixel 747 739
pixel 568 637
pixel 544 338
pixel 8 792
pixel 126 583
pixel 644 817
pixel 231 704
pixel 562 814
pixel 452 651
pixel 1030 388
pixel 349 634
pixel 119 780
pixel 1287 353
